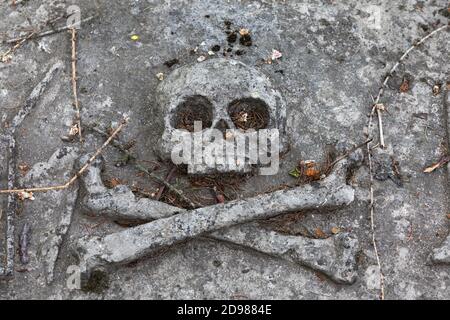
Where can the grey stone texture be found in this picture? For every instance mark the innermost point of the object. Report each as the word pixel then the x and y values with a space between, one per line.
pixel 335 56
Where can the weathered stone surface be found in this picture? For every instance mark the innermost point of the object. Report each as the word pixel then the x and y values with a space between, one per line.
pixel 335 56
pixel 55 207
pixel 10 140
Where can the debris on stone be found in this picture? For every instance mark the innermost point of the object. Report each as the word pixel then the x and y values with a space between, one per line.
pixel 5 58
pixel 307 170
pixel 23 169
pixel 335 230
pixel 160 76
pixel 276 55
pixel 443 161
pixel 380 106
pixel 201 58
pixel 404 87
pixel 112 202
pixel 319 233
pixel 113 182
pixel 25 196
pixel 437 89
pixel 73 132
pixel 246 38
pixel 244 32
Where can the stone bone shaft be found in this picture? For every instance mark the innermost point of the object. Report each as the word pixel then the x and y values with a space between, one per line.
pixel 134 243
pixel 334 256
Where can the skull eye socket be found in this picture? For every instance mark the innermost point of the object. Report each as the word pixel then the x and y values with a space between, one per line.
pixel 193 108
pixel 249 113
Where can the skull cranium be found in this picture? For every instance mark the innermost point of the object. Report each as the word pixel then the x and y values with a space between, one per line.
pixel 223 94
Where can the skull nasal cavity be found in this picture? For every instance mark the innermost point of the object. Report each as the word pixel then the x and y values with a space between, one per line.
pixel 249 113
pixel 192 109
pixel 222 126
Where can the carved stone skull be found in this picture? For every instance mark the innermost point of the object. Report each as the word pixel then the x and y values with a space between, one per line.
pixel 223 94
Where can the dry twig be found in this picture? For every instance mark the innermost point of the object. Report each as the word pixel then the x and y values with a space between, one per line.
pixel 345 155
pixel 168 179
pixel 74 82
pixel 6 56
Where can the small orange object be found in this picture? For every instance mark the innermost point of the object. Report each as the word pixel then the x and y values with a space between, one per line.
pixel 404 87
pixel 319 233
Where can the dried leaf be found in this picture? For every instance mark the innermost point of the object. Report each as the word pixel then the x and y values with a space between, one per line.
pixel 319 233
pixel 113 182
pixel 74 130
pixel 404 87
pixel 443 161
pixel 312 173
pixel 24 168
pixel 448 216
pixel 5 57
pixel 335 230
pixel 25 196
pixel 220 198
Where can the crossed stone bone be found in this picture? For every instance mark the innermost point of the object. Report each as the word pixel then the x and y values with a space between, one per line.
pixel 229 222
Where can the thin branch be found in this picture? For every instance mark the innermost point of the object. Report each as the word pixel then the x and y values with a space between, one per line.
pixel 378 108
pixel 6 56
pixel 345 155
pixel 47 33
pixel 74 82
pixel 168 179
pixel 79 173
